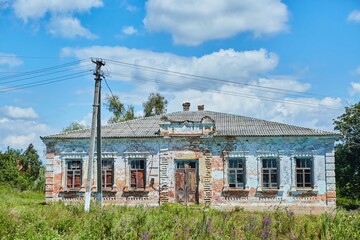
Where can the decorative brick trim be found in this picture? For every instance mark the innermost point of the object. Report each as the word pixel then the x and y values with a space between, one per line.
pixel 164 178
pixel 207 180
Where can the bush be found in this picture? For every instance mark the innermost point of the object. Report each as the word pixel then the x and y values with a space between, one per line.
pixel 347 203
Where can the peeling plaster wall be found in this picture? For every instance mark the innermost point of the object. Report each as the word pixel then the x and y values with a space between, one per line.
pixel 210 153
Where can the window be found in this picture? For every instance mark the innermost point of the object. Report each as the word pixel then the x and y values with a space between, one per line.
pixel 269 173
pixel 137 174
pixel 107 176
pixel 73 174
pixel 236 173
pixel 303 173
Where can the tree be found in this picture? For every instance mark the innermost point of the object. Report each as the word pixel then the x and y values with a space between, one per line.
pixel 22 169
pixel 347 153
pixel 114 105
pixel 33 162
pixel 74 126
pixel 155 105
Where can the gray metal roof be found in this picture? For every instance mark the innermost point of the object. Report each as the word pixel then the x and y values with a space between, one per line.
pixel 226 125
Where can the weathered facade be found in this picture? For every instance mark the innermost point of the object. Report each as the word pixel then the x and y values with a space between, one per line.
pixel 204 157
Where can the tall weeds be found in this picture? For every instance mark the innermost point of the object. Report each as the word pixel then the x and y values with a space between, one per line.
pixel 25 217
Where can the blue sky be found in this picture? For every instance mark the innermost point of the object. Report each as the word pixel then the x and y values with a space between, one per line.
pixel 295 62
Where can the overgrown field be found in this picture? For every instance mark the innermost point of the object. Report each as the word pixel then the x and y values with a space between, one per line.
pixel 24 216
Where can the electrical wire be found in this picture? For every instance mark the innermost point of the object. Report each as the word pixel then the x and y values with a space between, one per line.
pixel 44 82
pixel 213 79
pixel 44 74
pixel 42 70
pixel 140 78
pixel 123 115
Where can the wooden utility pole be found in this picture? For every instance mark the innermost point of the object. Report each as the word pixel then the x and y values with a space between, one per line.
pixel 95 116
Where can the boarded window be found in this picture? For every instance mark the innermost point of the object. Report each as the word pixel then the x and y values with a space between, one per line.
pixel 269 173
pixel 236 173
pixel 137 174
pixel 303 173
pixel 107 170
pixel 73 174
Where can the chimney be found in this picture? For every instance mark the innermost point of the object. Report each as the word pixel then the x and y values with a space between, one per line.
pixel 186 106
pixel 201 108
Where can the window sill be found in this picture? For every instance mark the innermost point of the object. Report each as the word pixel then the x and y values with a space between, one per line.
pixel 268 190
pixel 304 189
pixel 71 190
pixel 235 190
pixel 135 190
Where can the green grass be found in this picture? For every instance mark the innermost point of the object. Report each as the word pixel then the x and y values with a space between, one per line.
pixel 24 216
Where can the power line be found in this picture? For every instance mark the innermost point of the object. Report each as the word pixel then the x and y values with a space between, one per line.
pixel 42 70
pixel 123 115
pixel 43 82
pixel 45 74
pixel 225 92
pixel 32 57
pixel 213 79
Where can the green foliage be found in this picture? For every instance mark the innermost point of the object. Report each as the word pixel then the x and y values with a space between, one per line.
pixel 349 124
pixel 73 127
pixel 347 154
pixel 22 216
pixel 114 105
pixel 348 203
pixel 22 170
pixel 155 105
pixel 347 170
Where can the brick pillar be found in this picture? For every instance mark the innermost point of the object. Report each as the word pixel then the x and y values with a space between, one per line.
pixel 330 178
pixel 207 179
pixel 49 177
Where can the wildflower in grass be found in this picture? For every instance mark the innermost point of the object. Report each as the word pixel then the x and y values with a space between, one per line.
pixel 266 228
pixel 145 236
pixel 208 225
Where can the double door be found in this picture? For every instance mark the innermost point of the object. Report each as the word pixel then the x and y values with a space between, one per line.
pixel 186 182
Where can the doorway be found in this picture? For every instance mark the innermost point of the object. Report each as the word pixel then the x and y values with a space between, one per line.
pixel 186 181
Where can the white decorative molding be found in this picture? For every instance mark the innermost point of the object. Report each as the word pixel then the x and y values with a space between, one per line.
pixel 73 155
pixel 136 154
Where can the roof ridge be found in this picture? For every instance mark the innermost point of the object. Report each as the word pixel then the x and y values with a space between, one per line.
pixel 227 124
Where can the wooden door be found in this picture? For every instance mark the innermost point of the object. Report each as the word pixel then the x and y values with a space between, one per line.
pixel 186 187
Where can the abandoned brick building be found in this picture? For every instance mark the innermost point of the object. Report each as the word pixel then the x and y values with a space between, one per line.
pixel 204 157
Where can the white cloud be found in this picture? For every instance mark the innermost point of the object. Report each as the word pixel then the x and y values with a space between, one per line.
pixel 62 22
pixel 68 27
pixel 18 129
pixel 129 30
pixel 35 9
pixel 225 64
pixel 10 59
pixel 249 102
pixel 19 141
pixel 129 7
pixel 355 88
pixel 193 22
pixel 354 16
pixel 242 91
pixel 18 112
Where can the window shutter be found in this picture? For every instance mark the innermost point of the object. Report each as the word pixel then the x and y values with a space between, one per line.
pixel 140 179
